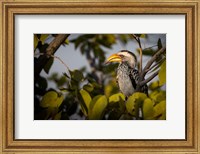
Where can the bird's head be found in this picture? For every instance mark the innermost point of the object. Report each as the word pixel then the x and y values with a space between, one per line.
pixel 123 56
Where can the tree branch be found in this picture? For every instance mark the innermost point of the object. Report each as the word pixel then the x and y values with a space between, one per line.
pixel 149 78
pixel 151 61
pixel 50 50
pixel 150 47
pixel 55 44
pixel 155 66
pixel 146 69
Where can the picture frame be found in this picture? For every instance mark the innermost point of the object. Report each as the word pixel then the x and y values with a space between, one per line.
pixel 158 7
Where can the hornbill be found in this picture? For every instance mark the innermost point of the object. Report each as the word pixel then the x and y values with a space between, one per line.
pixel 127 74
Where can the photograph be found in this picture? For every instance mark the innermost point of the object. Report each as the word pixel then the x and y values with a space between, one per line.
pixel 100 76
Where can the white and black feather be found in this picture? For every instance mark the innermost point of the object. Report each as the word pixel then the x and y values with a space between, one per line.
pixel 127 79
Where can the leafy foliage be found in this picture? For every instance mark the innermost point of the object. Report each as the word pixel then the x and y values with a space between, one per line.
pixel 97 107
pixel 94 95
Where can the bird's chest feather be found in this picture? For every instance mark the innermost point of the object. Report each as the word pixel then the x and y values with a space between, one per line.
pixel 124 81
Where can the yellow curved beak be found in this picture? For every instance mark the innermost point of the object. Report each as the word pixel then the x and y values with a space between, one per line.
pixel 113 58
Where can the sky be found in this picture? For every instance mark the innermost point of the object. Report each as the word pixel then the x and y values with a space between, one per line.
pixel 75 60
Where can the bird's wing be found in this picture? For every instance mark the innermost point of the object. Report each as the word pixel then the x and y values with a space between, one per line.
pixel 134 76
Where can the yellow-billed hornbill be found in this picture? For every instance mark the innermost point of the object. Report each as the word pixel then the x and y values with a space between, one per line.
pixel 127 74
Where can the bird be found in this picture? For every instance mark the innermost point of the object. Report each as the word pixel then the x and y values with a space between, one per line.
pixel 127 74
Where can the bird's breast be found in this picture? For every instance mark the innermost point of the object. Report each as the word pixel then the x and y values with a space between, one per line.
pixel 124 81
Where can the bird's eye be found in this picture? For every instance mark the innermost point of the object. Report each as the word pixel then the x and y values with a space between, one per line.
pixel 122 56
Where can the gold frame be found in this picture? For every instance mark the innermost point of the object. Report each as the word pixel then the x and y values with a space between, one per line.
pixel 189 8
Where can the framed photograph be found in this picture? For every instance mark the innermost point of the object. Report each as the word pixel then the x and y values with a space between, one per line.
pixel 99 76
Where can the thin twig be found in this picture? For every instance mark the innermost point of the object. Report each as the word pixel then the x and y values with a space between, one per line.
pixel 140 55
pixel 53 56
pixel 150 47
pixel 140 48
pixel 155 65
pixel 38 54
pixel 56 57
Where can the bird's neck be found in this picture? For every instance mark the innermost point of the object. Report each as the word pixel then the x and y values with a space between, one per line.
pixel 126 66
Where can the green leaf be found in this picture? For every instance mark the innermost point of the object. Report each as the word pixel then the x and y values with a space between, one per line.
pixel 67 41
pixel 88 87
pixel 51 112
pixel 106 40
pixel 123 38
pixel 58 116
pixel 61 81
pixel 114 114
pixel 158 96
pixel 111 39
pixel 35 41
pixel 143 36
pixel 111 88
pixel 162 117
pixel 126 117
pixel 63 89
pixel 147 52
pixel 147 109
pixel 160 110
pixel 83 48
pixel 97 107
pixel 94 101
pixel 133 100
pixel 154 85
pixel 42 82
pixel 85 101
pixel 161 96
pixel 51 99
pixel 48 113
pixel 48 65
pixel 78 42
pixel 116 98
pixel 116 106
pixel 82 39
pixel 162 74
pixel 43 37
pixel 77 75
pixel 66 75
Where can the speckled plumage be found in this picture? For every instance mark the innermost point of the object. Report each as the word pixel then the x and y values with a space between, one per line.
pixel 127 79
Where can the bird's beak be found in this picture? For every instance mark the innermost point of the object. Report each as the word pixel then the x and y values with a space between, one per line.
pixel 113 58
